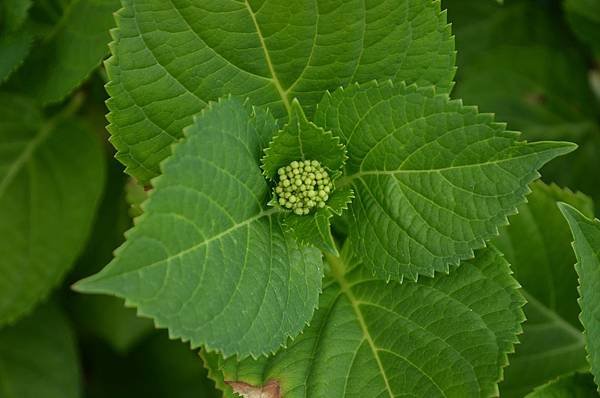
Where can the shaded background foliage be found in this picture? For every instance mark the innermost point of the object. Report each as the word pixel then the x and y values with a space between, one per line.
pixel 534 63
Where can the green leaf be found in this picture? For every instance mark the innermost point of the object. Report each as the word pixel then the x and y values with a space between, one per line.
pixel 576 385
pixel 313 229
pixel 67 55
pixel 103 316
pixel 208 259
pixel 158 367
pixel 51 179
pixel 38 357
pixel 537 245
pixel 14 48
pixel 584 19
pixel 302 140
pixel 433 179
pixel 586 234
pixel 372 339
pixel 316 229
pixel 270 51
pixel 13 14
pixel 106 318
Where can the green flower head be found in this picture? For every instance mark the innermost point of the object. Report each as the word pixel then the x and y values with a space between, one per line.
pixel 303 185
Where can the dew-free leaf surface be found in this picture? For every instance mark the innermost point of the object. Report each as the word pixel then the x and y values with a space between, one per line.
pixel 432 178
pixel 209 259
pixel 576 385
pixel 372 339
pixel 185 54
pixel 51 179
pixel 69 52
pixel 38 357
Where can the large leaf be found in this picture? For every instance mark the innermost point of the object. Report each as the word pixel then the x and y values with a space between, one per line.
pixel 187 53
pixel 433 179
pixel 537 244
pixel 538 239
pixel 51 178
pixel 586 232
pixel 431 338
pixel 38 357
pixel 208 259
pixel 69 52
pixel 576 385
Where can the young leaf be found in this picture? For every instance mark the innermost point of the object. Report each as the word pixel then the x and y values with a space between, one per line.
pixel 576 385
pixel 537 245
pixel 372 339
pixel 316 229
pixel 69 53
pixel 38 357
pixel 433 179
pixel 313 229
pixel 586 234
pixel 208 259
pixel 269 51
pixel 51 179
pixel 302 140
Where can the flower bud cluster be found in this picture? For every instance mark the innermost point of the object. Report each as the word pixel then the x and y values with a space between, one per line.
pixel 303 185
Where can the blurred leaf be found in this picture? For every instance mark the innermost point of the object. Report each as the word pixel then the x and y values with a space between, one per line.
pixel 103 316
pixel 14 48
pixel 135 195
pixel 156 368
pixel 51 180
pixel 537 244
pixel 576 385
pixel 66 55
pixel 38 357
pixel 13 14
pixel 108 318
pixel 584 18
pixel 533 76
